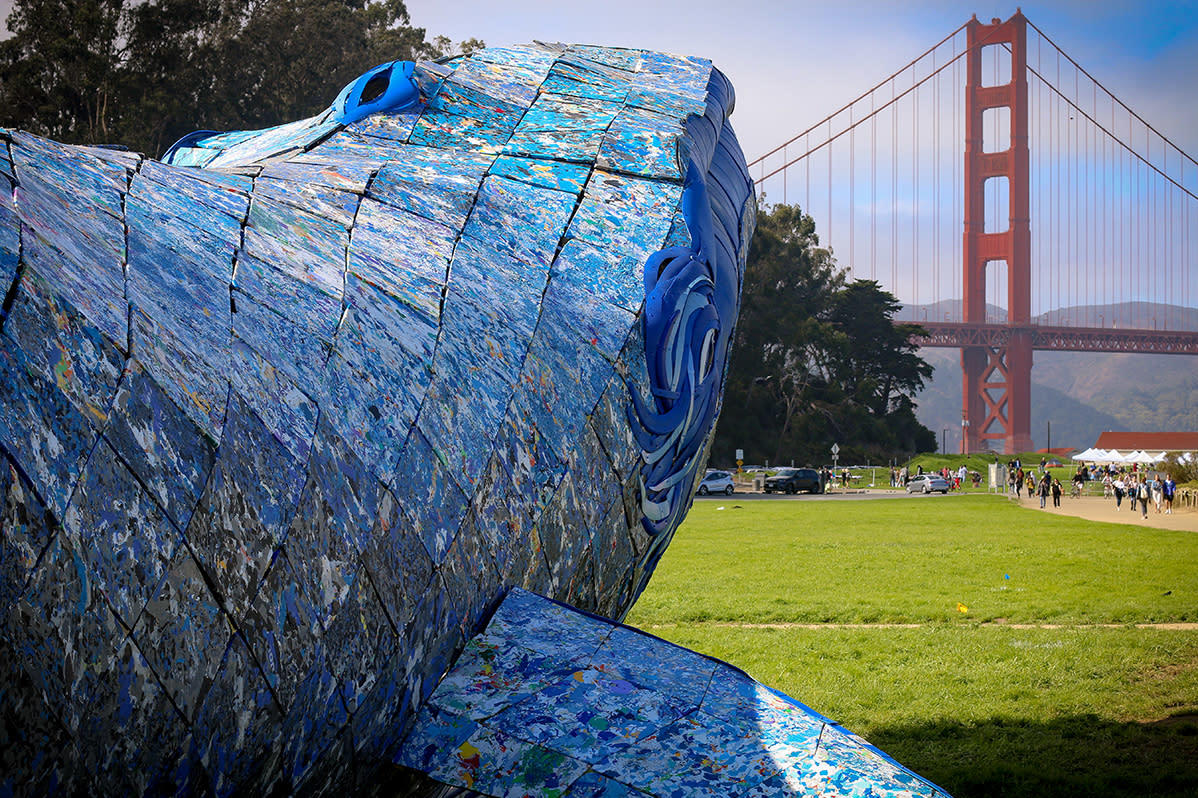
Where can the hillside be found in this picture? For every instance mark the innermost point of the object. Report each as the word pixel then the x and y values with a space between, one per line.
pixel 1082 393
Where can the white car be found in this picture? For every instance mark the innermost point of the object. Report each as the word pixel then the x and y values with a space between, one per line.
pixel 716 482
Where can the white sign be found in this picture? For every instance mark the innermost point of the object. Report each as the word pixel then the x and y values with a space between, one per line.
pixel 836 448
pixel 740 454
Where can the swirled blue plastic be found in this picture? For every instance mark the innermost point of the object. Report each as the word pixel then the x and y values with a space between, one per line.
pixel 691 298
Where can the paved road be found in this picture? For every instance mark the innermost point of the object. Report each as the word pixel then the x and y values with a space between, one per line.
pixel 827 497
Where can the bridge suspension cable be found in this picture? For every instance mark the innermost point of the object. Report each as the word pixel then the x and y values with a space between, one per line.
pixel 1112 198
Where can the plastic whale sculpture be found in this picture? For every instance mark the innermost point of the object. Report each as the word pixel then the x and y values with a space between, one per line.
pixel 291 419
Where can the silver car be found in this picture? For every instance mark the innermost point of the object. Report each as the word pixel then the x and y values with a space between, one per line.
pixel 927 483
pixel 716 482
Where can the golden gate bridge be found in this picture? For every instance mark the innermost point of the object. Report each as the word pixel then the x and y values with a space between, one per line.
pixel 1013 204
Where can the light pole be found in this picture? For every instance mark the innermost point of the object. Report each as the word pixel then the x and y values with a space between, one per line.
pixel 943 435
pixel 964 426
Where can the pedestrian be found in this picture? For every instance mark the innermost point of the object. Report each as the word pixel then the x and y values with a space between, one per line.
pixel 1117 485
pixel 1043 490
pixel 1018 482
pixel 1056 492
pixel 1168 488
pixel 1142 493
pixel 1157 492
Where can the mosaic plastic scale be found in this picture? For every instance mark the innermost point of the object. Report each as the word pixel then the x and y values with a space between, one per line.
pixel 299 425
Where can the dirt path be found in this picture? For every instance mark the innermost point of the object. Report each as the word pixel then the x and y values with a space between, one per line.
pixel 1095 508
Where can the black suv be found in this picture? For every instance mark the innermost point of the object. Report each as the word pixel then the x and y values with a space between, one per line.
pixel 793 480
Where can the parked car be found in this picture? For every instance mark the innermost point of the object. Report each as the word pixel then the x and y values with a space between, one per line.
pixel 793 480
pixel 927 483
pixel 716 482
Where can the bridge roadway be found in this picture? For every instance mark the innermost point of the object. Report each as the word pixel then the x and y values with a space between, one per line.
pixel 1063 339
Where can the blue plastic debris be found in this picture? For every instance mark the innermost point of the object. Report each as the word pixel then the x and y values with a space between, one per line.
pixel 285 414
pixel 560 702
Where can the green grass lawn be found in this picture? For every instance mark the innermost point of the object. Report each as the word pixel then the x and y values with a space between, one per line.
pixel 965 698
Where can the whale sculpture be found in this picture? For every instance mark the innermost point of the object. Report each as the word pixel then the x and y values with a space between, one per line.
pixel 287 415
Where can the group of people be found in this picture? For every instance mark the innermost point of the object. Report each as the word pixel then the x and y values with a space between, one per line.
pixel 1037 482
pixel 1142 488
pixel 1048 485
pixel 1018 480
pixel 899 477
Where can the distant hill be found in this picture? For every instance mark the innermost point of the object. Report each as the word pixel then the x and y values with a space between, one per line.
pixel 1137 315
pixel 1082 393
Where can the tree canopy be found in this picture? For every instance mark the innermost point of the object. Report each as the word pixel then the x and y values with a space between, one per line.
pixel 816 358
pixel 142 73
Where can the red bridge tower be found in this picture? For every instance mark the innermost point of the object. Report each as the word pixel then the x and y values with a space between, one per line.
pixel 997 380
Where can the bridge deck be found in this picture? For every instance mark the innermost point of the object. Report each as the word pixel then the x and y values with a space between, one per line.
pixel 1071 339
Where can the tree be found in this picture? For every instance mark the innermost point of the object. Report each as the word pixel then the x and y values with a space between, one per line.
pixel 788 282
pixel 816 359
pixel 59 69
pixel 876 361
pixel 145 73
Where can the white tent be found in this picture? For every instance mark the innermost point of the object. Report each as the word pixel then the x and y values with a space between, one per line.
pixel 1088 454
pixel 1112 456
pixel 1142 457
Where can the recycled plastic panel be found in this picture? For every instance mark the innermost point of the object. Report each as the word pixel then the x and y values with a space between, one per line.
pixel 554 701
pixel 285 414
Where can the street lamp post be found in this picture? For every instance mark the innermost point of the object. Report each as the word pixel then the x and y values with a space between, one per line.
pixel 964 426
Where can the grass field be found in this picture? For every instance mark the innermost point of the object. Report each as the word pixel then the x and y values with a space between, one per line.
pixel 983 701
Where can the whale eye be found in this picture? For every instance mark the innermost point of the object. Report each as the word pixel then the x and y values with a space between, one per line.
pixel 375 87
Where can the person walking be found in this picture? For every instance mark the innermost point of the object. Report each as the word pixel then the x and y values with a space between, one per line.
pixel 1168 488
pixel 1118 487
pixel 1157 492
pixel 1056 492
pixel 1043 490
pixel 1142 493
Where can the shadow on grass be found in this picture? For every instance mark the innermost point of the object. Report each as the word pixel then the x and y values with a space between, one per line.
pixel 1071 756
